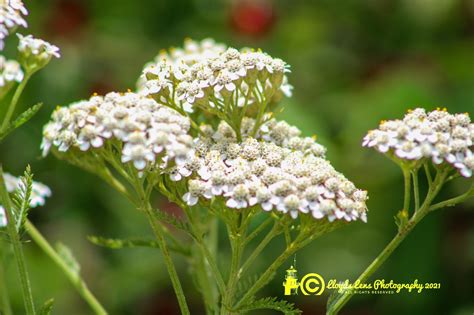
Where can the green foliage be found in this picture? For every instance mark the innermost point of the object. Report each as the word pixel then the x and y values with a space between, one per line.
pixel 46 308
pixel 172 220
pixel 118 243
pixel 21 199
pixel 271 303
pixel 20 120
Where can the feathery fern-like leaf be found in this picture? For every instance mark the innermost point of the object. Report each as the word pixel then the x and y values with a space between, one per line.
pixel 21 198
pixel 271 303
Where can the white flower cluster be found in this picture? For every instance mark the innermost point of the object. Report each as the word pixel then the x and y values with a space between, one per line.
pixel 30 46
pixel 144 128
pixel 210 76
pixel 436 135
pixel 39 193
pixel 10 71
pixel 11 16
pixel 278 170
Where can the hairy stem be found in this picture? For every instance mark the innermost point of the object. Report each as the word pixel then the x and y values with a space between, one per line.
pixel 17 248
pixel 72 275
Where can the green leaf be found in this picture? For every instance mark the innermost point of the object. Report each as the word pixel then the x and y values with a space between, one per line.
pixel 245 284
pixel 271 303
pixel 172 220
pixel 21 119
pixel 21 198
pixel 117 243
pixel 68 257
pixel 46 308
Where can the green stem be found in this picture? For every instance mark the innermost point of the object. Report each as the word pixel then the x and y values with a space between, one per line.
pixel 236 242
pixel 159 234
pixel 454 201
pixel 17 248
pixel 263 244
pixel 429 178
pixel 407 184
pixel 72 275
pixel 416 189
pixel 388 250
pixel 297 244
pixel 5 306
pixel 13 103
pixel 204 249
pixel 259 229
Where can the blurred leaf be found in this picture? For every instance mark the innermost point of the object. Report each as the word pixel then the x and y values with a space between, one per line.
pixel 21 119
pixel 271 303
pixel 245 284
pixel 172 220
pixel 118 243
pixel 22 198
pixel 68 257
pixel 46 308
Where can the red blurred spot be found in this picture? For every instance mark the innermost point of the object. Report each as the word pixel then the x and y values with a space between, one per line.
pixel 67 18
pixel 253 18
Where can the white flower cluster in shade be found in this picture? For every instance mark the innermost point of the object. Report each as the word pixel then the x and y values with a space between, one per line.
pixel 435 135
pixel 143 128
pixel 208 75
pixel 37 47
pixel 10 71
pixel 278 170
pixel 11 16
pixel 39 193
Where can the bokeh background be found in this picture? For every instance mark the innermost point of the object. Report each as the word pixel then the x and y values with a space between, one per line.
pixel 353 63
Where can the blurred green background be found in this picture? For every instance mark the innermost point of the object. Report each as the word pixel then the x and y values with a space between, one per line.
pixel 353 63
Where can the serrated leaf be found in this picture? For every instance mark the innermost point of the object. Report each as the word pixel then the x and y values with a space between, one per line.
pixel 46 308
pixel 172 220
pixel 245 284
pixel 21 198
pixel 118 243
pixel 271 303
pixel 21 119
pixel 68 257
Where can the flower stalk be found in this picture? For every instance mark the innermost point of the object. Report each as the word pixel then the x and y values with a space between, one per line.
pixel 17 248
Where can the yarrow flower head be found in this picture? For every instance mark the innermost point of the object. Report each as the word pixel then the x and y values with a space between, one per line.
pixel 216 79
pixel 12 14
pixel 10 72
pixel 277 170
pixel 436 135
pixel 35 53
pixel 39 193
pixel 137 127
